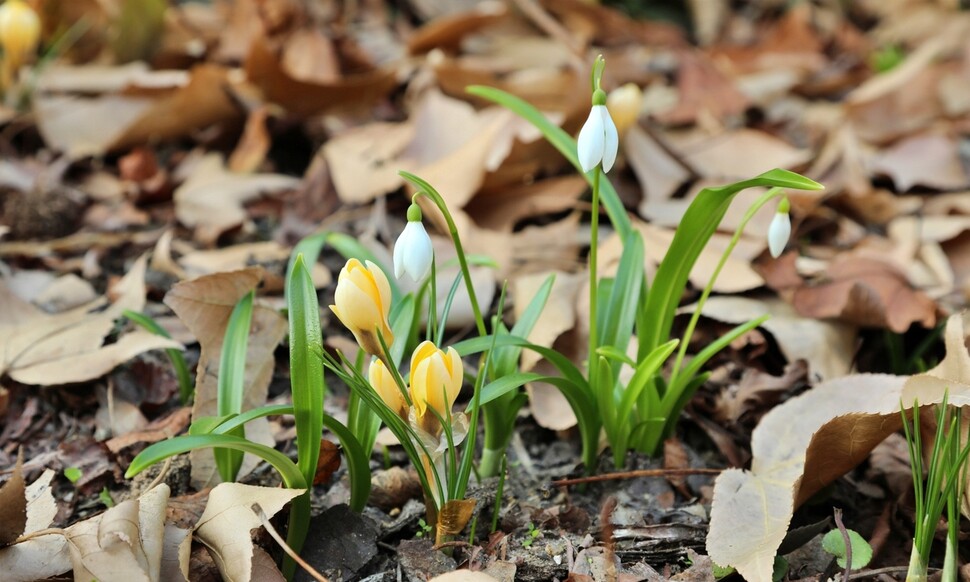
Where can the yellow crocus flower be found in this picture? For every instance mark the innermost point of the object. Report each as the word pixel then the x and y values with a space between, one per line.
pixel 383 382
pixel 362 302
pixel 19 32
pixel 436 378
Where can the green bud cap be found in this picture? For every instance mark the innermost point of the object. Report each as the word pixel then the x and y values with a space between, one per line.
pixel 784 206
pixel 599 97
pixel 414 212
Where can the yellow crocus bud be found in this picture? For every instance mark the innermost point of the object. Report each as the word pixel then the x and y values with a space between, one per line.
pixel 362 302
pixel 383 382
pixel 624 104
pixel 436 378
pixel 19 32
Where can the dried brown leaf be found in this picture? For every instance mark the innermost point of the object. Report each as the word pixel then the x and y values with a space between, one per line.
pixel 868 292
pixel 67 347
pixel 799 447
pixel 930 160
pixel 265 70
pixel 228 519
pixel 212 199
pixel 13 504
pixel 125 542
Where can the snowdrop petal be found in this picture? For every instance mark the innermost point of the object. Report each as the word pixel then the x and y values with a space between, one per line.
pixel 611 139
pixel 589 144
pixel 413 252
pixel 778 233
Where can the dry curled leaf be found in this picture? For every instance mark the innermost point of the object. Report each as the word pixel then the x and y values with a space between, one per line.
pixel 453 516
pixel 67 347
pixel 212 198
pixel 798 448
pixel 868 292
pixel 228 518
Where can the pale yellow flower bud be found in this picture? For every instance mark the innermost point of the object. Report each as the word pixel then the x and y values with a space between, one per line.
pixel 383 382
pixel 436 378
pixel 19 32
pixel 624 104
pixel 362 302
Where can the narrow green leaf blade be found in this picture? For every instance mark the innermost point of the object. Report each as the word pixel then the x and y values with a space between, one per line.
pixel 306 369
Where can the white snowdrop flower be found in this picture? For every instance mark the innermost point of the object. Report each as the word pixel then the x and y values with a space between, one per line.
pixel 598 140
pixel 780 229
pixel 413 252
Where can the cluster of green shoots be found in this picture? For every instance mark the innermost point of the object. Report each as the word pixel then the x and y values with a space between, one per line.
pixel 417 404
pixel 942 488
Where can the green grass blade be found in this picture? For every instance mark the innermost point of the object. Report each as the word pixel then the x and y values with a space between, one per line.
pixel 160 451
pixel 182 374
pixel 566 145
pixel 232 379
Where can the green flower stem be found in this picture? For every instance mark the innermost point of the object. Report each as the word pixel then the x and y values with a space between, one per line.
pixel 593 244
pixel 425 189
pixel 695 317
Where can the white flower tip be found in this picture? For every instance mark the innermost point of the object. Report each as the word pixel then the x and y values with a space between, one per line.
pixel 778 233
pixel 413 252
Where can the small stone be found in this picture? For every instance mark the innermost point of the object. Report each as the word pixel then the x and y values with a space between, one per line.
pixel 420 561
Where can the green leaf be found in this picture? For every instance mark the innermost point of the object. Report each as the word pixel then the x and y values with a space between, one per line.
pixel 306 370
pixel 693 233
pixel 160 451
pixel 611 353
pixel 358 463
pixel 73 474
pixel 207 424
pixel 616 321
pixel 105 497
pixel 834 543
pixel 566 145
pixel 569 370
pixel 186 386
pixel 506 384
pixel 232 379
pixel 138 30
pixel 506 358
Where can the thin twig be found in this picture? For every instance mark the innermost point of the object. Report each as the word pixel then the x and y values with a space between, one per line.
pixel 867 574
pixel 634 475
pixel 848 544
pixel 453 544
pixel 161 474
pixel 286 548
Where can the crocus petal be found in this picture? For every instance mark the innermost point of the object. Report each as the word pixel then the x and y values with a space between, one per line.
pixel 589 144
pixel 778 233
pixel 611 139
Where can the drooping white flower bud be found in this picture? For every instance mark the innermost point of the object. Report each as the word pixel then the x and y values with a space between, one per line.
pixel 780 229
pixel 413 252
pixel 598 139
